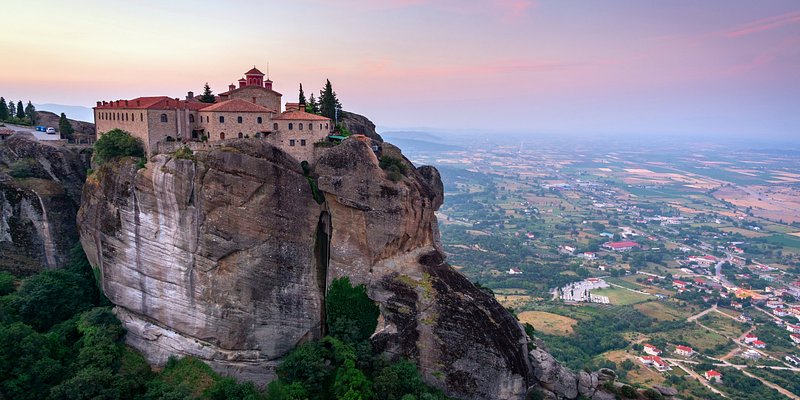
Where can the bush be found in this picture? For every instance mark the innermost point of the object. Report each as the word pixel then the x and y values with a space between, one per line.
pixel 117 143
pixel 351 315
pixel 51 297
pixel 24 168
pixel 394 167
pixel 6 283
pixel 184 153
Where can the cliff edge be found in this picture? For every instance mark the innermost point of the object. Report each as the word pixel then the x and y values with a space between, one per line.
pixel 226 255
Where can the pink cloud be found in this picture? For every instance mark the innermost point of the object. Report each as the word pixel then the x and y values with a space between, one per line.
pixel 764 24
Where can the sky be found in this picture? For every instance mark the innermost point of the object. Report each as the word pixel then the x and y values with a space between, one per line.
pixel 635 67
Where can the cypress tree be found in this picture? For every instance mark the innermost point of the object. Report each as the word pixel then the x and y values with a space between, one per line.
pixel 30 112
pixel 302 98
pixel 65 127
pixel 312 106
pixel 3 109
pixel 20 110
pixel 12 109
pixel 207 96
pixel 329 105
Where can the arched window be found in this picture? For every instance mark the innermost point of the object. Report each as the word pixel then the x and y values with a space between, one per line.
pixel 275 126
pixel 221 119
pixel 320 126
pixel 291 126
pixel 240 135
pixel 141 116
pixel 311 126
pixel 222 135
pixel 163 117
pixel 239 119
pixel 259 120
pixel 191 118
pixel 326 126
pixel 300 126
pixel 126 116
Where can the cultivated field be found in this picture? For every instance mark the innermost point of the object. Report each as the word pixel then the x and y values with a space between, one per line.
pixel 549 323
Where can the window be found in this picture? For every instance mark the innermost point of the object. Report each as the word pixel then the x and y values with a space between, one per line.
pixel 163 117
pixel 326 126
pixel 239 119
pixel 302 142
pixel 222 135
pixel 310 126
pixel 191 118
pixel 320 126
pixel 300 126
pixel 240 135
pixel 291 142
pixel 259 120
pixel 221 119
pixel 275 126
pixel 291 126
pixel 141 116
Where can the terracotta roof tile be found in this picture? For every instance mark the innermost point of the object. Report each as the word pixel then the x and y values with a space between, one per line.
pixel 254 71
pixel 236 105
pixel 300 115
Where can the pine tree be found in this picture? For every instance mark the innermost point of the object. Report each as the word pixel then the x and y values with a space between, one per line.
pixel 12 109
pixel 302 97
pixel 329 105
pixel 207 96
pixel 3 109
pixel 312 106
pixel 20 110
pixel 65 127
pixel 30 112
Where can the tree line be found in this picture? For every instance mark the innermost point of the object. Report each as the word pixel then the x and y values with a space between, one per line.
pixel 17 113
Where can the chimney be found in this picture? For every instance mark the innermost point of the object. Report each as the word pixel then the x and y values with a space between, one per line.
pixel 242 83
pixel 189 95
pixel 98 104
pixel 231 87
pixel 268 84
pixel 105 102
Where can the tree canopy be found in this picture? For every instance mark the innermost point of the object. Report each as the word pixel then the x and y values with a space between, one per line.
pixel 302 98
pixel 117 143
pixel 20 110
pixel 207 96
pixel 329 105
pixel 65 127
pixel 4 112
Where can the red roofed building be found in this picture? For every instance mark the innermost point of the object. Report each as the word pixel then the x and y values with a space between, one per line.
pixel 655 361
pixel 250 111
pixel 621 246
pixel 759 344
pixel 685 351
pixel 713 375
pixel 795 337
pixel 749 338
pixel 680 284
pixel 652 350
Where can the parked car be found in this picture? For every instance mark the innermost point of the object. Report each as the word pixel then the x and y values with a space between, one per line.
pixel 51 130
pixel 40 128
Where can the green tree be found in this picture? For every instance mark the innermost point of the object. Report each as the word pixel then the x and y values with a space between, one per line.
pixel 6 283
pixel 30 112
pixel 207 96
pixel 65 127
pixel 4 113
pixel 351 315
pixel 20 110
pixel 29 366
pixel 12 109
pixel 398 380
pixel 312 106
pixel 51 297
pixel 302 98
pixel 329 105
pixel 117 143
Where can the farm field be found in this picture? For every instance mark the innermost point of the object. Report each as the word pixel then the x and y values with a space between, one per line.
pixel 619 296
pixel 549 323
pixel 661 311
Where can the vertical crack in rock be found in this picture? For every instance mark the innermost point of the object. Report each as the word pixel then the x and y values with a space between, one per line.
pixel 322 246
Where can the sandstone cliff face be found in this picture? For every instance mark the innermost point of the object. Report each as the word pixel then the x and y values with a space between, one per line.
pixel 359 124
pixel 227 257
pixel 38 209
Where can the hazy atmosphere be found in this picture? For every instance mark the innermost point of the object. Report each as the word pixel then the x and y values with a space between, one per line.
pixel 719 67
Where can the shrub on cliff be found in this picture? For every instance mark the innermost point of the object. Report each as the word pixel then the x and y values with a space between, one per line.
pixel 351 315
pixel 394 167
pixel 117 143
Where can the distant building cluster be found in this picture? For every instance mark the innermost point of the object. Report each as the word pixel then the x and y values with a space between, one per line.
pixel 251 110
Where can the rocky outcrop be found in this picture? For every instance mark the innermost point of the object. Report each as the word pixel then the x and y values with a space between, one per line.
pixel 40 191
pixel 47 118
pixel 359 125
pixel 227 255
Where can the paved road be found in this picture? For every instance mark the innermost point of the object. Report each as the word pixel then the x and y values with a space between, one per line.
pixel 696 376
pixel 39 135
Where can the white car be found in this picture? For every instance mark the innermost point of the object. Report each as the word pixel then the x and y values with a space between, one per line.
pixel 51 130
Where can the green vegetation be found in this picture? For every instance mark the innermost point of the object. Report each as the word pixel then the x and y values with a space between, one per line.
pixel 207 96
pixel 65 127
pixel 24 168
pixel 117 143
pixel 18 113
pixel 329 105
pixel 184 153
pixel 394 167
pixel 318 196
pixel 301 99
